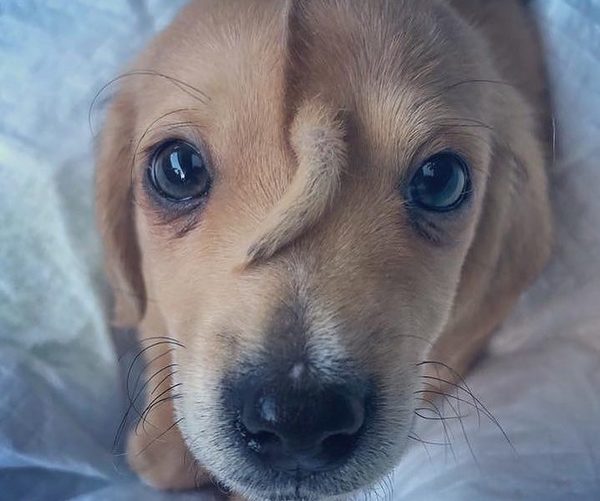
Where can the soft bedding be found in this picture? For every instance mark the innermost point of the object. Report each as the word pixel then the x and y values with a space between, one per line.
pixel 61 390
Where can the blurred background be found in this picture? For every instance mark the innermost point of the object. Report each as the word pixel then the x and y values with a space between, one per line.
pixel 61 391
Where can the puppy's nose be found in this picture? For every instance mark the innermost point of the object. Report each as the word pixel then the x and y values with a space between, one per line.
pixel 306 427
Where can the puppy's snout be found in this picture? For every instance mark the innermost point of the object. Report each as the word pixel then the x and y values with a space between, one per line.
pixel 301 426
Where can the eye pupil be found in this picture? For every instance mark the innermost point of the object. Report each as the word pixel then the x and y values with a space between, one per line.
pixel 178 172
pixel 441 184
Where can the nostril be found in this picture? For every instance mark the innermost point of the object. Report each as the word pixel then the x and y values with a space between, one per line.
pixel 259 442
pixel 339 446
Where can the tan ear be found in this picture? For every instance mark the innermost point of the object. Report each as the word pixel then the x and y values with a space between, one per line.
pixel 116 215
pixel 512 241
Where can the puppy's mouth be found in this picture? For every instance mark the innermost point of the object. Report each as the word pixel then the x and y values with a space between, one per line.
pixel 302 484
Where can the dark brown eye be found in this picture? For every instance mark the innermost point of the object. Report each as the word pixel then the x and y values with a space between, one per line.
pixel 441 184
pixel 178 172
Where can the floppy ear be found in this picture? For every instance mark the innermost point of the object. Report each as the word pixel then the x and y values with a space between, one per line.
pixel 512 241
pixel 116 215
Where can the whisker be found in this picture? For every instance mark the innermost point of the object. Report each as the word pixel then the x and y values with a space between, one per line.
pixel 156 341
pixel 442 394
pixel 170 374
pixel 453 372
pixel 153 441
pixel 123 423
pixel 140 392
pixel 447 400
pixel 458 387
pixel 156 402
pixel 148 364
pixel 152 403
pixel 414 437
pixel 174 397
pixel 436 418
pixel 180 84
pixel 477 403
pixel 464 432
pixel 137 357
pixel 151 126
pixel 446 431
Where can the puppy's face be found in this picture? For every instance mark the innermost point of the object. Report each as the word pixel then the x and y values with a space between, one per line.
pixel 307 185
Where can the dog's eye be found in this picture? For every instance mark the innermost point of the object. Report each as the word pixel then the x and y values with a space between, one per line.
pixel 441 184
pixel 178 172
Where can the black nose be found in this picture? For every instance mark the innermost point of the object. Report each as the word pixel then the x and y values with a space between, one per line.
pixel 301 425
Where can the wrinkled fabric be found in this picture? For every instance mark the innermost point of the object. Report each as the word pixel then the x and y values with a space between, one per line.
pixel 61 385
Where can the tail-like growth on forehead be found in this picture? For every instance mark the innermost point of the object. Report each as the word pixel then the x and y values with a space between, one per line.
pixel 317 139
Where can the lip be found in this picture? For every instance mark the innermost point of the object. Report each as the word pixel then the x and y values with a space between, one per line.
pixel 300 493
pixel 291 486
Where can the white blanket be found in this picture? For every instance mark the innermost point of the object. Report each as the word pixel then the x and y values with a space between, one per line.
pixel 61 396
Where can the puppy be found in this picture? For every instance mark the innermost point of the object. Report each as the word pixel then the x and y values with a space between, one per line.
pixel 309 205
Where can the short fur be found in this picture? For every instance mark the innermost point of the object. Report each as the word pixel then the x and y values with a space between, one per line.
pixel 314 114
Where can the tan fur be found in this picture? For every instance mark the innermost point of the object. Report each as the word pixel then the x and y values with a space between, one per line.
pixel 318 141
pixel 312 114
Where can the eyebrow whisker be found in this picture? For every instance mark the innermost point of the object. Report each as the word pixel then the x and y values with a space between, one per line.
pixel 180 84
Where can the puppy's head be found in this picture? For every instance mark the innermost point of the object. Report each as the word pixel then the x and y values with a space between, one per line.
pixel 309 196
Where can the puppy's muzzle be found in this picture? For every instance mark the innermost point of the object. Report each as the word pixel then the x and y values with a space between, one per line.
pixel 297 423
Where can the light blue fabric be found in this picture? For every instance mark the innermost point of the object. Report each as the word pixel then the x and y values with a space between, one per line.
pixel 60 393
